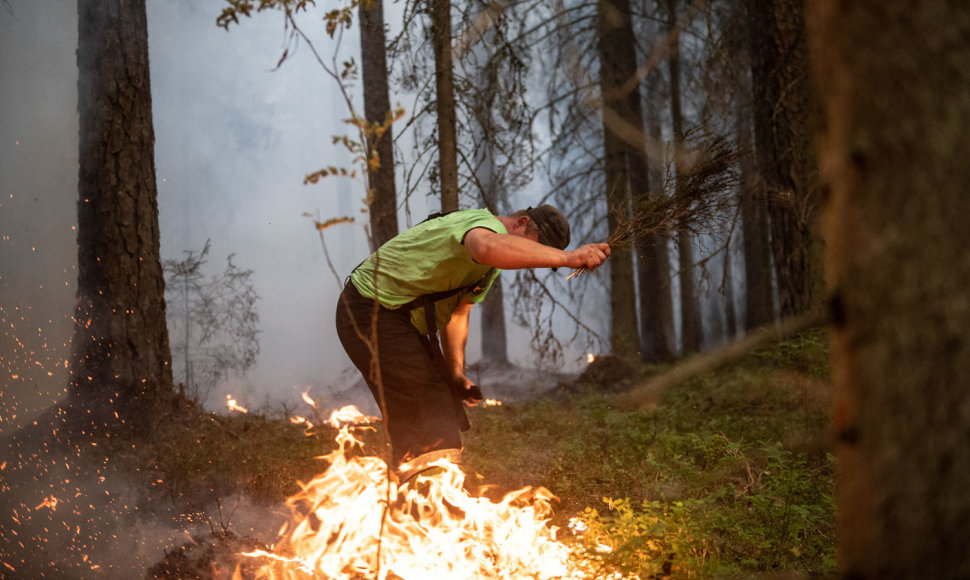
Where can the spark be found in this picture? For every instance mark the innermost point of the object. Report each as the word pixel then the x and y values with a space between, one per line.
pixel 49 502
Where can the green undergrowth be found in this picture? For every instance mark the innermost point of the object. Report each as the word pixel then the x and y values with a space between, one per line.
pixel 725 475
pixel 729 473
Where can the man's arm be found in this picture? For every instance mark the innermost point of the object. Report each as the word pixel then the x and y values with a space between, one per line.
pixel 512 252
pixel 454 336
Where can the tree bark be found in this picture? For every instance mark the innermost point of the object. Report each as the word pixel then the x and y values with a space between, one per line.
pixel 445 99
pixel 893 77
pixel 377 109
pixel 657 336
pixel 758 295
pixel 690 322
pixel 784 115
pixel 120 365
pixel 612 20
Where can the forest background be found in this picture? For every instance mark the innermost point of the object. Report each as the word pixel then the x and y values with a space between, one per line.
pixel 672 160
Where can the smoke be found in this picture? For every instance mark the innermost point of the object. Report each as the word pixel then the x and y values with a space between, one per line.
pixel 68 514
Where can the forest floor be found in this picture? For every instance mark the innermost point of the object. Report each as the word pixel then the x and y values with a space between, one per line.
pixel 727 475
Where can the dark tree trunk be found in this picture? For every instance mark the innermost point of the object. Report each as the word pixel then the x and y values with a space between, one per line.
pixel 657 339
pixel 494 335
pixel 120 361
pixel 690 318
pixel 445 99
pixel 663 307
pixel 730 314
pixel 494 341
pixel 612 24
pixel 758 296
pixel 784 116
pixel 893 77
pixel 377 109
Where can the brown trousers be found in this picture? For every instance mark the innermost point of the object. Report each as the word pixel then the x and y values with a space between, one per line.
pixel 420 410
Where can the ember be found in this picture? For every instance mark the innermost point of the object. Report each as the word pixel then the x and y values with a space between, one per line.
pixel 356 520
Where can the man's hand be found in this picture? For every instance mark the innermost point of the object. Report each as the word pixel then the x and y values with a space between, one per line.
pixel 590 256
pixel 471 394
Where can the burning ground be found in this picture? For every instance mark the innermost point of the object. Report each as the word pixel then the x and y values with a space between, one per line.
pixel 726 474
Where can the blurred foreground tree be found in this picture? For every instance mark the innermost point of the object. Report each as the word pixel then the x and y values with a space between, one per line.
pixel 894 80
pixel 120 371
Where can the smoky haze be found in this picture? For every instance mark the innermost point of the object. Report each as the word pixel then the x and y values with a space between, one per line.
pixel 234 137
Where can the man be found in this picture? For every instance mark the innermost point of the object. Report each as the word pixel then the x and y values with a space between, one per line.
pixel 425 281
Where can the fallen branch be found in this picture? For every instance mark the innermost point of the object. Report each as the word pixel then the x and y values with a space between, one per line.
pixel 642 394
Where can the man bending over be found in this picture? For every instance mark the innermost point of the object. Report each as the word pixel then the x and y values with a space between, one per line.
pixel 423 283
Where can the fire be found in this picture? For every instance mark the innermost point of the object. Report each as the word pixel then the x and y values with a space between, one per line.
pixel 590 357
pixel 349 416
pixel 355 520
pixel 308 400
pixel 232 405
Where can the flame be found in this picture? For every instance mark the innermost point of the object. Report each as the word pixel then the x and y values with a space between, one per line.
pixel 590 357
pixel 309 401
pixel 349 416
pixel 492 403
pixel 297 420
pixel 356 520
pixel 232 405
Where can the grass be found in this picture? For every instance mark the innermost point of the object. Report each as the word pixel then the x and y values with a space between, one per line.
pixel 729 474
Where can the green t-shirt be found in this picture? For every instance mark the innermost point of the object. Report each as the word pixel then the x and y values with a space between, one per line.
pixel 429 257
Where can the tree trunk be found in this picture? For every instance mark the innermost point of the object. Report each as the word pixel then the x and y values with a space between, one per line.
pixel 758 295
pixel 893 76
pixel 730 314
pixel 494 335
pixel 613 58
pixel 784 116
pixel 445 99
pixel 690 320
pixel 657 338
pixel 120 357
pixel 377 109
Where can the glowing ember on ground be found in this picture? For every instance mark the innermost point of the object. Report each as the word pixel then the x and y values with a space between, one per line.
pixel 355 520
pixel 232 405
pixel 49 502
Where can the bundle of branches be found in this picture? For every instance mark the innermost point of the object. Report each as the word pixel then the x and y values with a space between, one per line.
pixel 701 195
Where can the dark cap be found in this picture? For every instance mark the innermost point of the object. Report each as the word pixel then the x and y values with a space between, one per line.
pixel 553 227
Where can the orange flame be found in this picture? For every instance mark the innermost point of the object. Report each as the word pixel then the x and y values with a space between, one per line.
pixel 355 520
pixel 232 405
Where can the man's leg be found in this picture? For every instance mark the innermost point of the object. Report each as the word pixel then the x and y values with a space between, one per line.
pixel 419 409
